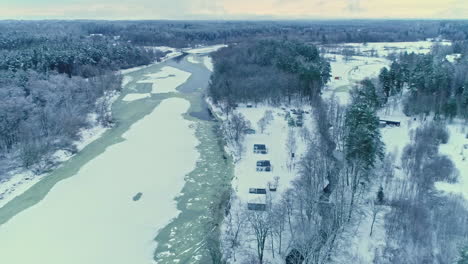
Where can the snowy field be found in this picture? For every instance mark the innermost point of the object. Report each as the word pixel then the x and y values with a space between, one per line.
pixel 346 73
pixel 92 216
pixel 367 62
pixel 275 137
pixel 383 49
pixel 457 149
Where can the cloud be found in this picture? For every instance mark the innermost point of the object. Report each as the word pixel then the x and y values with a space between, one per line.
pixel 228 9
pixel 354 6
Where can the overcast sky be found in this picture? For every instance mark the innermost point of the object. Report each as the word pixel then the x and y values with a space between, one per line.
pixel 232 9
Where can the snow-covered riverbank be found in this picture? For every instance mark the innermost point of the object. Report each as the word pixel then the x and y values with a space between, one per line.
pixel 20 180
pixel 92 216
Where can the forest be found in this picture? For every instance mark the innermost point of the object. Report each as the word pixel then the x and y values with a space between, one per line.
pixel 51 81
pixel 435 85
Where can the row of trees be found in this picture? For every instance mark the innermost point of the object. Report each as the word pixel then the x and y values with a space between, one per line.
pixel 184 33
pixel 84 57
pixel 435 84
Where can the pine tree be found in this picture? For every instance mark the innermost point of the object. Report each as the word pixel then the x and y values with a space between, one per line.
pixel 363 140
pixel 384 79
pixel 380 196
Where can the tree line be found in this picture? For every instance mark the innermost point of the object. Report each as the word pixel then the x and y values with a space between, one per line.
pixel 42 113
pixel 267 70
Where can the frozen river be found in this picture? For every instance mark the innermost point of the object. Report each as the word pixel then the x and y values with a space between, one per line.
pixel 152 176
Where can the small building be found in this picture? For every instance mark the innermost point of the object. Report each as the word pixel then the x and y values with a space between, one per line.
pixel 256 202
pixel 263 165
pixel 272 186
pixel 256 206
pixel 389 123
pixel 257 190
pixel 260 149
pixel 337 77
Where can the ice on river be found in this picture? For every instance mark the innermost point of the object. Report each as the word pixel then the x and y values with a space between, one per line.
pixel 205 50
pixel 208 62
pixel 192 59
pixel 91 217
pixel 135 96
pixel 166 80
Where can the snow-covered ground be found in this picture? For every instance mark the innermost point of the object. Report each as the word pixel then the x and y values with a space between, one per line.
pixel 453 57
pixel 346 73
pixel 383 49
pixel 92 217
pixel 166 80
pixel 275 137
pixel 171 52
pixel 457 149
pixel 205 50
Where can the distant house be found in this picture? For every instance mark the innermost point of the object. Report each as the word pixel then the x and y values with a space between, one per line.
pixel 257 190
pixel 260 149
pixel 272 186
pixel 263 165
pixel 389 123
